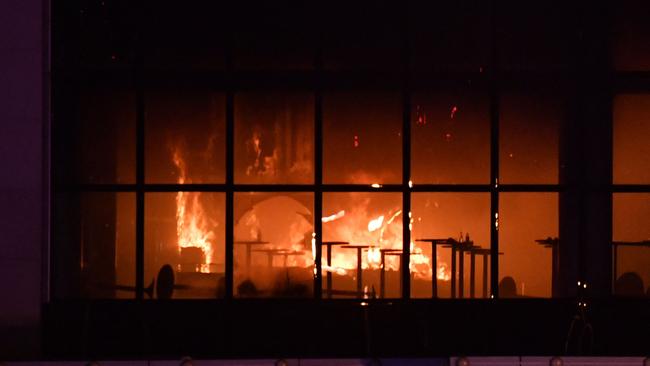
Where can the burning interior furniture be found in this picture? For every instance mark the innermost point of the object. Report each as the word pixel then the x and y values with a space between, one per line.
pixel 402 163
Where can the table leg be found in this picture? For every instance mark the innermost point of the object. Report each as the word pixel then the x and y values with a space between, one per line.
pixel 461 273
pixel 472 274
pixel 485 276
pixel 399 286
pixel 359 274
pixel 248 259
pixel 453 272
pixel 382 276
pixel 329 272
pixel 434 277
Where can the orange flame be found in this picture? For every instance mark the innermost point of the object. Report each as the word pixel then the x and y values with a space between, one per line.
pixel 380 232
pixel 333 217
pixel 191 222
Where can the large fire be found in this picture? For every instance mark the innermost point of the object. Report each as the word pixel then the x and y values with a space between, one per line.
pixel 358 227
pixel 191 222
pixel 355 225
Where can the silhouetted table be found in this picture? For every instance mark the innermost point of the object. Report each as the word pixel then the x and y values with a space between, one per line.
pixel 270 253
pixel 329 245
pixel 459 247
pixel 382 277
pixel 485 253
pixel 359 248
pixel 552 243
pixel 249 244
pixel 434 256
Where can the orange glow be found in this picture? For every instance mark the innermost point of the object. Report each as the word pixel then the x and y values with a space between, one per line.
pixel 333 217
pixel 383 231
pixel 191 221
pixel 375 223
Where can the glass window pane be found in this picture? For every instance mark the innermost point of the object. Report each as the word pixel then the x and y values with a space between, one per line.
pixel 631 35
pixel 94 236
pixel 536 34
pixel 528 232
pixel 529 138
pixel 631 136
pixel 274 254
pixel 276 36
pixel 185 137
pixel 196 41
pixel 184 235
pixel 449 36
pixel 362 142
pixel 106 34
pixel 366 36
pixel 98 146
pixel 463 217
pixel 450 138
pixel 274 134
pixel 631 232
pixel 359 227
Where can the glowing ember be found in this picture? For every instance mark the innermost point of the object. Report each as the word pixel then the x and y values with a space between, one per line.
pixel 421 118
pixel 454 109
pixel 356 141
pixel 191 222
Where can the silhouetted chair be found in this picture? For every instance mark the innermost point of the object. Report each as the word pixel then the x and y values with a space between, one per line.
pixel 165 282
pixel 247 289
pixel 507 287
pixel 629 284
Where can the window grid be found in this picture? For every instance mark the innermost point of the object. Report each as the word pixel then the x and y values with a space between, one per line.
pixel 319 81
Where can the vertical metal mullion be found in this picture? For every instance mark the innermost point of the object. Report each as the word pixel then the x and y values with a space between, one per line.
pixel 318 171
pixel 230 124
pixel 406 159
pixel 140 168
pixel 494 158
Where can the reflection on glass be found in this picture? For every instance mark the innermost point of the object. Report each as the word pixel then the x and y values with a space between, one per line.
pixel 631 136
pixel 186 231
pixel 99 145
pixel 185 137
pixel 455 226
pixel 631 245
pixel 362 245
pixel 450 138
pixel 274 134
pixel 528 232
pixel 274 253
pixel 362 142
pixel 95 237
pixel 529 138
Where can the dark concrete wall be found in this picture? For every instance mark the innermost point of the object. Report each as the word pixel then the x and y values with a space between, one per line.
pixel 23 196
